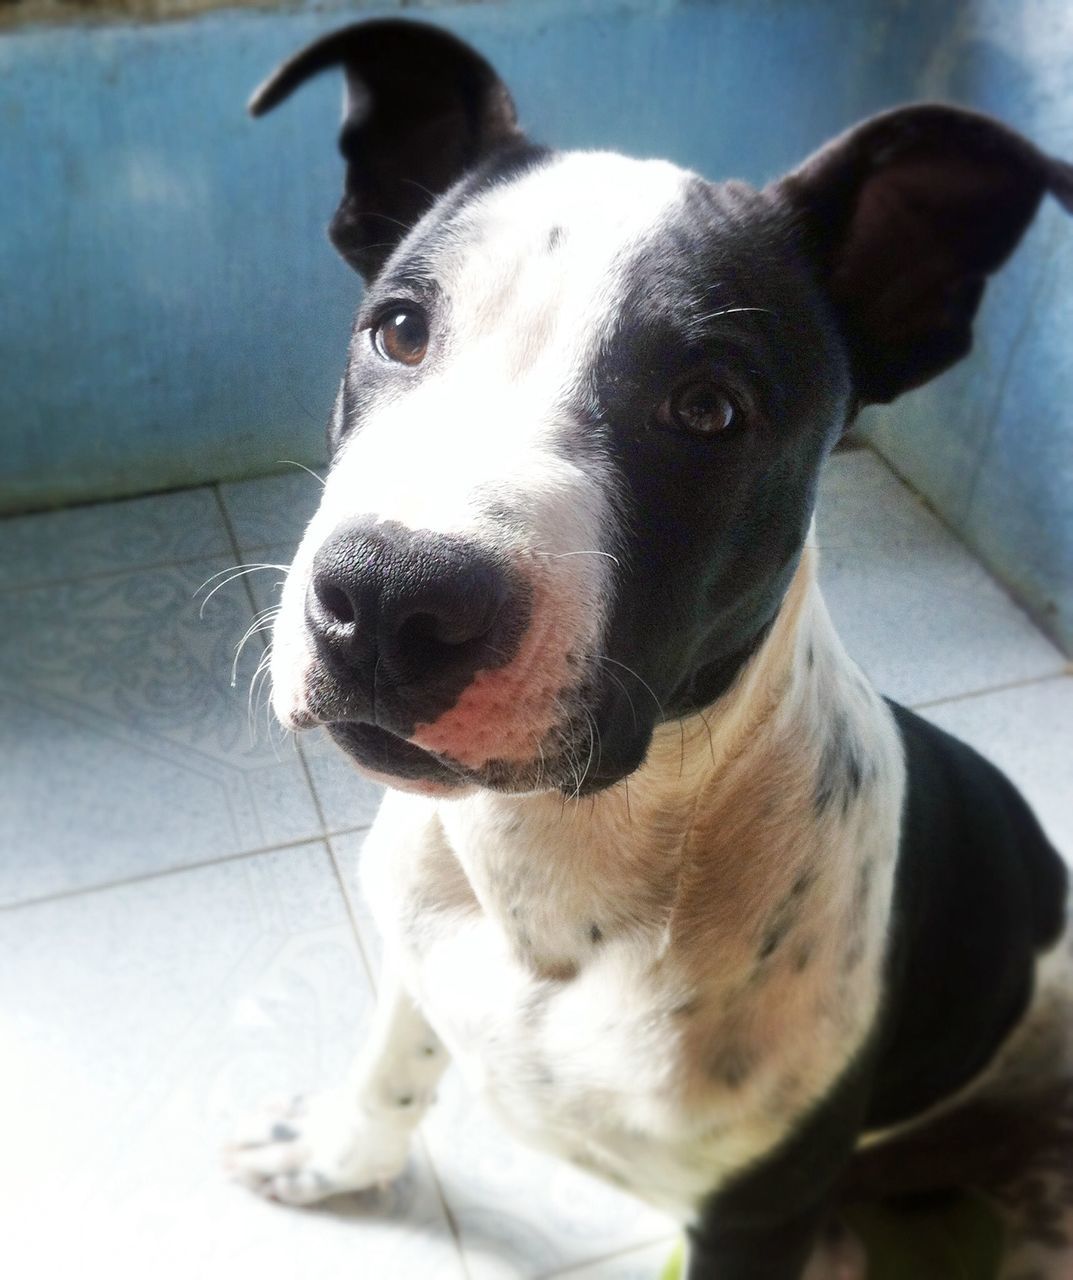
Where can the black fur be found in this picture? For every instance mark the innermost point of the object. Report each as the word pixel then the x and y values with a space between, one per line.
pixel 980 893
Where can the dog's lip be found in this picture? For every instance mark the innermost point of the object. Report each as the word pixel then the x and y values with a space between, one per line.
pixel 388 754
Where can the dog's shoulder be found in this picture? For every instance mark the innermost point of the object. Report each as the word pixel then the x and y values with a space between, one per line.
pixel 980 893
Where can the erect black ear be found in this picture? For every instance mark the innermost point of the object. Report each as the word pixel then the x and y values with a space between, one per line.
pixel 908 213
pixel 421 108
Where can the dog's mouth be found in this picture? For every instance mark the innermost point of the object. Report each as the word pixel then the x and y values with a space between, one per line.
pixel 394 759
pixel 573 760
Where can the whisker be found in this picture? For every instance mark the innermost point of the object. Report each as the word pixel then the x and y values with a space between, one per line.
pixel 236 571
pixel 258 624
pixel 562 555
pixel 730 311
pixel 289 462
pixel 600 657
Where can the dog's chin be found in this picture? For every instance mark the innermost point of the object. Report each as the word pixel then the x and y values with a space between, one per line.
pixel 396 762
pixel 387 758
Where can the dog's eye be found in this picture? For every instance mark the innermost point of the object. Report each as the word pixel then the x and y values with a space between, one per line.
pixel 701 408
pixel 402 336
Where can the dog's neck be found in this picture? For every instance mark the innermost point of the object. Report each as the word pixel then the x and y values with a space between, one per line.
pixel 732 808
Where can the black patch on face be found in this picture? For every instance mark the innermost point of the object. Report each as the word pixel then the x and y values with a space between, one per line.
pixel 711 528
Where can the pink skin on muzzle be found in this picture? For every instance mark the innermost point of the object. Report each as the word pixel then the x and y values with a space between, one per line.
pixel 505 713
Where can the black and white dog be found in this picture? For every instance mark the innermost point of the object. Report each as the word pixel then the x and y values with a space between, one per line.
pixel 693 905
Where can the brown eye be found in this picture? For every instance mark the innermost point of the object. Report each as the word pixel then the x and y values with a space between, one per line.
pixel 402 336
pixel 701 408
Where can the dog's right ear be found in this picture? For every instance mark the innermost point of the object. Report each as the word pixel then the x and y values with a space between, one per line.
pixel 421 109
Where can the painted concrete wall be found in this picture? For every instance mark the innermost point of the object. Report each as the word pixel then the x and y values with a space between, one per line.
pixel 991 443
pixel 171 311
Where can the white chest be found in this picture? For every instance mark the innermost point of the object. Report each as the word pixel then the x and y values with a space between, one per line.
pixel 621 1061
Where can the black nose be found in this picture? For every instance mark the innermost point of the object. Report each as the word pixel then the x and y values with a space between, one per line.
pixel 404 620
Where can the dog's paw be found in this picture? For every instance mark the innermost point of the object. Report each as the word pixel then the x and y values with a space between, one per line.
pixel 314 1147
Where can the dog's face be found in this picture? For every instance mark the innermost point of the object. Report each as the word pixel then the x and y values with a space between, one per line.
pixel 575 450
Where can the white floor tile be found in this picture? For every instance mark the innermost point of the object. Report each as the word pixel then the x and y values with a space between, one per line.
pixel 522 1214
pixel 648 1263
pixel 126 750
pixel 138 1023
pixel 912 606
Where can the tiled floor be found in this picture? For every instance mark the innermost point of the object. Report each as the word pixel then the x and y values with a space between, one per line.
pixel 180 938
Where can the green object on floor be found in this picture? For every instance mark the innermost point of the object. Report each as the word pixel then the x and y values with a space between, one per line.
pixel 960 1237
pixel 673 1269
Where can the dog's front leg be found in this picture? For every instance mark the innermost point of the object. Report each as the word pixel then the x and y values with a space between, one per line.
pixel 770 1250
pixel 353 1137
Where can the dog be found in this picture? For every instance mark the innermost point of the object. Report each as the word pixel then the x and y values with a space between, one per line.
pixel 691 903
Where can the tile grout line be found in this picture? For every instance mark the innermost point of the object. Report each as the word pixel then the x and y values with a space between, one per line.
pixel 564 1273
pixel 448 1212
pixel 318 808
pixel 201 865
pixel 968 695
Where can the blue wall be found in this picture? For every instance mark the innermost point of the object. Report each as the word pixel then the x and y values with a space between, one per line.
pixel 171 311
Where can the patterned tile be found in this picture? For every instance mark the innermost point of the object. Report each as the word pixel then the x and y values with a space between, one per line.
pixel 912 606
pixel 110 538
pixel 271 510
pixel 1028 733
pixel 126 750
pixel 139 1022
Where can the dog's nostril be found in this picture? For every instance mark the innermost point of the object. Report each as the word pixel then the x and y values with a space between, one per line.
pixel 335 603
pixel 426 641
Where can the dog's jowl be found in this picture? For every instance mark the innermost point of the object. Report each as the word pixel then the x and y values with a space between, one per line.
pixel 690 902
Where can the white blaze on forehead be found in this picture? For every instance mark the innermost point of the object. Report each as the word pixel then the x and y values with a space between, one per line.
pixel 524 314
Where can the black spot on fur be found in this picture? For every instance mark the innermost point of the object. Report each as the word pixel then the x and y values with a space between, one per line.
pixel 405 1100
pixel 840 773
pixel 785 917
pixel 554 240
pixel 596 934
pixel 773 937
pixel 731 1065
pixel 810 657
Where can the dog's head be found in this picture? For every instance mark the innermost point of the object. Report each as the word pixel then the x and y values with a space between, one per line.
pixel 575 450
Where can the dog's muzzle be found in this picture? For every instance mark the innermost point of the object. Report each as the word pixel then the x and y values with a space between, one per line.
pixel 401 622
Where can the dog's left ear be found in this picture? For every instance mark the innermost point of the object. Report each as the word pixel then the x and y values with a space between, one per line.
pixel 421 108
pixel 908 214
